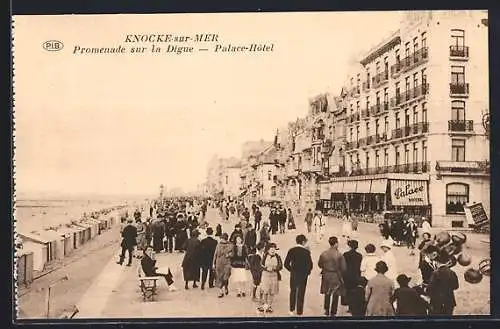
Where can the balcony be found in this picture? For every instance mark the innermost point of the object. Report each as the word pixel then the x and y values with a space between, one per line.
pixel 396 70
pixel 351 145
pixel 459 89
pixel 376 109
pixel 461 125
pixel 380 79
pixel 416 168
pixel 365 113
pixel 414 129
pixel 370 140
pixel 353 117
pixel 459 53
pixel 380 138
pixel 354 92
pixel 482 167
pixel 414 60
pixel 395 101
pixel 416 92
pixel 362 142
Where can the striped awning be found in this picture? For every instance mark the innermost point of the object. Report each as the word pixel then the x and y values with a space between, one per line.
pixel 350 187
pixel 363 186
pixel 336 187
pixel 379 186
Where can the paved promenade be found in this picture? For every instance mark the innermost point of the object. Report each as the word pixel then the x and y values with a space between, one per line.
pixel 116 293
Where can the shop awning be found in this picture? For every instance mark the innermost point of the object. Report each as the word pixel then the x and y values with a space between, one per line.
pixel 379 186
pixel 324 191
pixel 336 187
pixel 409 193
pixel 350 187
pixel 363 186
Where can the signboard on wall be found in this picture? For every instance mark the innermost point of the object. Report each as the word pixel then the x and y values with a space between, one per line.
pixel 409 193
pixel 476 216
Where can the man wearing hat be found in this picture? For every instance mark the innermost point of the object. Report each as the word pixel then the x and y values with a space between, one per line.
pixel 408 300
pixel 441 289
pixel 207 251
pixel 129 235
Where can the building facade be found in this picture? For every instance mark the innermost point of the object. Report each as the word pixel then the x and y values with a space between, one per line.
pixel 405 133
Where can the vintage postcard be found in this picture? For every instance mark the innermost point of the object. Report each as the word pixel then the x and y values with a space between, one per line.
pixel 319 164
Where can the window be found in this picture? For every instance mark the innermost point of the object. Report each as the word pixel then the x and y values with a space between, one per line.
pixel 351 134
pixel 357 106
pixel 351 110
pixel 415 45
pixel 424 39
pixel 458 75
pixel 273 190
pixel 367 129
pixel 377 159
pixel 415 152
pixel 357 133
pixel 386 95
pixel 457 195
pixel 424 151
pixel 377 98
pixel 398 159
pixel 386 157
pixel 458 110
pixel 457 150
pixel 407 85
pixel 377 67
pixel 368 103
pixel 407 118
pixel 407 49
pixel 398 122
pixel 269 175
pixel 368 79
pixel 377 127
pixel 424 77
pixel 386 124
pixel 398 59
pixel 357 159
pixel 458 38
pixel 358 80
pixel 415 114
pixel 415 80
pixel 367 164
pixel 398 93
pixel 386 67
pixel 424 112
pixel 407 154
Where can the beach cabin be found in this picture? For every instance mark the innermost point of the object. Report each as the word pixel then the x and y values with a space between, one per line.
pixel 58 245
pixel 24 266
pixel 41 248
pixel 86 232
pixel 94 227
pixel 79 235
pixel 70 236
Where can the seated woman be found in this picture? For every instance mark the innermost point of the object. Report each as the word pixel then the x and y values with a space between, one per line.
pixel 148 264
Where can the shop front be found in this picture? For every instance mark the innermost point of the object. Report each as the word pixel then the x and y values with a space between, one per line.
pixel 411 197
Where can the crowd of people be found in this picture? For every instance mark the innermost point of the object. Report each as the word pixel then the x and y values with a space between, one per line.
pixel 369 284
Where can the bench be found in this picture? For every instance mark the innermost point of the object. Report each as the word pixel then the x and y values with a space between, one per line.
pixel 147 284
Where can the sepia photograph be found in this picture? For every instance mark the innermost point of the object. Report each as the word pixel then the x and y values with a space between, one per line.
pixel 251 165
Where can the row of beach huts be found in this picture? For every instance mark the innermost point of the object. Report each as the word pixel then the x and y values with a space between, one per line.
pixel 36 249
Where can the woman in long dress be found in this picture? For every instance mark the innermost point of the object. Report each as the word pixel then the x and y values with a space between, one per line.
pixel 239 264
pixel 222 264
pixel 191 262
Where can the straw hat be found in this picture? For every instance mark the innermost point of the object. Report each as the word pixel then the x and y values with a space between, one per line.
pixel 385 243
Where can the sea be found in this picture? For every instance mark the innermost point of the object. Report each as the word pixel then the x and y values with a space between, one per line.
pixel 40 213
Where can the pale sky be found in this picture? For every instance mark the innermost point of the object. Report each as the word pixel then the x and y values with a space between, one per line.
pixel 124 124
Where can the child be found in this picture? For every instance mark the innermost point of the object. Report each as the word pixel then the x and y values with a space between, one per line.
pixel 254 264
pixel 408 299
pixel 357 302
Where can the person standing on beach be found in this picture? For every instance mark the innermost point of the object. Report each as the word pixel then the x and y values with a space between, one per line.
pixel 207 252
pixel 158 234
pixel 129 236
pixel 309 220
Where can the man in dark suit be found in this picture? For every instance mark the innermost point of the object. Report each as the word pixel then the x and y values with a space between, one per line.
pixel 207 251
pixel 299 263
pixel 442 286
pixel 129 235
pixel 258 217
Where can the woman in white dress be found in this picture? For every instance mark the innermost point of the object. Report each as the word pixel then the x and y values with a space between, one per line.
pixel 390 260
pixel 319 226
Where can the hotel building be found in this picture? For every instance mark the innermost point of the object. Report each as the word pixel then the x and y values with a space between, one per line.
pixel 413 111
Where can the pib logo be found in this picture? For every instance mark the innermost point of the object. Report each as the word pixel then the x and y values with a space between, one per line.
pixel 53 45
